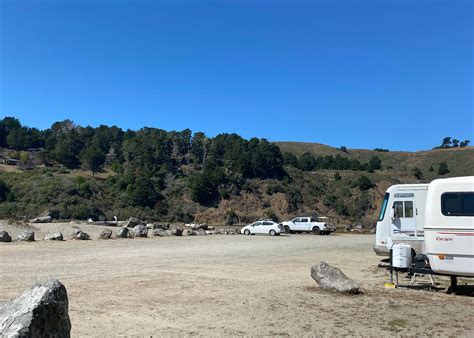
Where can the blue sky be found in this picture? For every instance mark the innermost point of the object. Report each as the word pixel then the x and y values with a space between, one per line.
pixel 364 74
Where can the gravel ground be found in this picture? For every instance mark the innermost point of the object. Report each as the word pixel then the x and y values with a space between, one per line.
pixel 227 285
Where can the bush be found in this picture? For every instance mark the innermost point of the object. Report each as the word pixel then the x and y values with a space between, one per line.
pixel 231 217
pixel 443 168
pixel 364 183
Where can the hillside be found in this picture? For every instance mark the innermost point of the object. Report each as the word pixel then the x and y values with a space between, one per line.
pixel 79 172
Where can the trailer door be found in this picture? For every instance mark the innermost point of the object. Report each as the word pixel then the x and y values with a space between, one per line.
pixel 403 222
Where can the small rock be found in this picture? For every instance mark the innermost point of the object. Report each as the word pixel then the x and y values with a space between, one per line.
pixel 330 278
pixel 27 236
pixel 160 233
pixel 105 234
pixel 123 232
pixel 55 236
pixel 176 232
pixel 140 230
pixel 41 311
pixel 4 236
pixel 81 235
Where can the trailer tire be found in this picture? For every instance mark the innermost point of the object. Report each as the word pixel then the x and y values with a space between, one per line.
pixel 316 231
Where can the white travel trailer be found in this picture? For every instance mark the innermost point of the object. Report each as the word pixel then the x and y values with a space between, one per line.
pixel 449 226
pixel 401 218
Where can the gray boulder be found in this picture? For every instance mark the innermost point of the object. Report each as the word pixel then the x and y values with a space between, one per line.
pixel 132 221
pixel 188 232
pixel 140 230
pixel 123 232
pixel 106 234
pixel 41 311
pixel 176 232
pixel 27 236
pixel 160 233
pixel 81 235
pixel 4 236
pixel 330 278
pixel 200 232
pixel 55 236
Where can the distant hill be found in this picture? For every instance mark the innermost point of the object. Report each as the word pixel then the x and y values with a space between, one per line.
pixel 83 172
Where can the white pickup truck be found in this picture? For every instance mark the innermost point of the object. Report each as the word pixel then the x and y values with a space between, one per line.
pixel 316 225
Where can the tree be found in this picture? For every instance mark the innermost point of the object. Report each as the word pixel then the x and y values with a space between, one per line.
pixel 4 190
pixel 446 142
pixel 375 163
pixel 343 149
pixel 93 159
pixel 290 159
pixel 455 143
pixel 464 143
pixel 431 168
pixel 443 168
pixel 337 176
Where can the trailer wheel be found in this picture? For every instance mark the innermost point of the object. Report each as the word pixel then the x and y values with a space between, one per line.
pixel 316 231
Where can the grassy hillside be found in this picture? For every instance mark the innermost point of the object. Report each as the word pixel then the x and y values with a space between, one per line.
pixel 78 194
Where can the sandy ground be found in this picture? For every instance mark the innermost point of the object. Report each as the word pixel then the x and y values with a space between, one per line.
pixel 227 285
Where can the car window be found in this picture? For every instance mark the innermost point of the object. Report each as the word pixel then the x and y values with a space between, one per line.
pixel 296 220
pixel 267 223
pixel 305 220
pixel 257 223
pixel 313 219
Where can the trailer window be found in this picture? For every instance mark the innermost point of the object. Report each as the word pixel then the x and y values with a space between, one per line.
pixel 398 209
pixel 457 204
pixel 408 209
pixel 384 206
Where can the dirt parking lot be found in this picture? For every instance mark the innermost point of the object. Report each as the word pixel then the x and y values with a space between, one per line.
pixel 228 285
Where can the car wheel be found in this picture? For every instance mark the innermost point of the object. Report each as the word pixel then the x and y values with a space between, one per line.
pixel 328 233
pixel 247 232
pixel 316 231
pixel 272 232
pixel 287 229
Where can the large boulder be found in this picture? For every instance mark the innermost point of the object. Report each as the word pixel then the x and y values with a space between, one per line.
pixel 176 232
pixel 330 278
pixel 200 232
pixel 55 236
pixel 123 232
pixel 188 232
pixel 81 235
pixel 41 311
pixel 106 234
pixel 140 231
pixel 26 235
pixel 4 236
pixel 160 233
pixel 132 222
